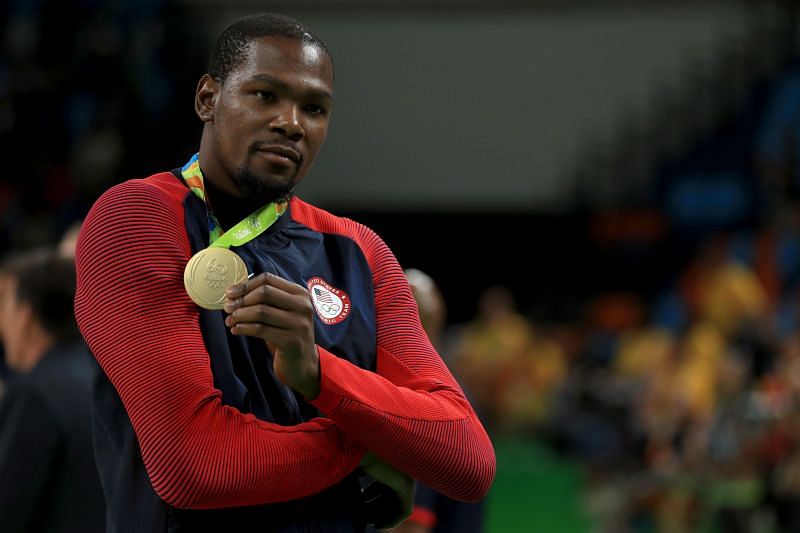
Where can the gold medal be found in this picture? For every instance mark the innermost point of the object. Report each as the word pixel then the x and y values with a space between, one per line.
pixel 209 273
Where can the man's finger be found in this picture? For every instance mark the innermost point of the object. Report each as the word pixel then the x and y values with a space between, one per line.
pixel 263 314
pixel 270 294
pixel 265 295
pixel 254 329
pixel 265 278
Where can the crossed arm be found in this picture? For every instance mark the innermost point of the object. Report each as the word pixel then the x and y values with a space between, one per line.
pixel 200 453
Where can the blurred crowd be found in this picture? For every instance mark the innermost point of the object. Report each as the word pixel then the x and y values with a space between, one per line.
pixel 686 419
pixel 88 94
pixel 683 405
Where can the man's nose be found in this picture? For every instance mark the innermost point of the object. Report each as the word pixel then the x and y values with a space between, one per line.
pixel 287 122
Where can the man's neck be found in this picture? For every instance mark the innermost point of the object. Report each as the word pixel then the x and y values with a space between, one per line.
pixel 36 347
pixel 213 173
pixel 228 209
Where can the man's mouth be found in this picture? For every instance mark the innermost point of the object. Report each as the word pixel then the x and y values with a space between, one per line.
pixel 281 153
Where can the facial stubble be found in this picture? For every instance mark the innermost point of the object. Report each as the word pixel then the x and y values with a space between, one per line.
pixel 257 192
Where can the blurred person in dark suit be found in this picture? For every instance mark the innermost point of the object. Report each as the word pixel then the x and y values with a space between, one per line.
pixel 49 478
pixel 65 248
pixel 434 512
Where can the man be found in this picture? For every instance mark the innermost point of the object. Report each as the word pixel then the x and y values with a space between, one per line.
pixel 254 411
pixel 49 478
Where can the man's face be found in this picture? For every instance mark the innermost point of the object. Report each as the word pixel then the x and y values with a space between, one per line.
pixel 268 119
pixel 10 321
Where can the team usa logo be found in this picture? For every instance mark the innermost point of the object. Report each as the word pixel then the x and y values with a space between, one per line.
pixel 332 304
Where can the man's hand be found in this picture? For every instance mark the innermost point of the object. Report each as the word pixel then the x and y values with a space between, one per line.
pixel 401 484
pixel 281 313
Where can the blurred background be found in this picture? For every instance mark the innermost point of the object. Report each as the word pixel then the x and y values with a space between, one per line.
pixel 607 193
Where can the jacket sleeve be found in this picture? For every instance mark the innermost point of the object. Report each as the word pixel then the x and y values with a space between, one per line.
pixel 411 413
pixel 143 329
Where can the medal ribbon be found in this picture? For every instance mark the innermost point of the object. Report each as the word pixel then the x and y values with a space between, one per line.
pixel 246 230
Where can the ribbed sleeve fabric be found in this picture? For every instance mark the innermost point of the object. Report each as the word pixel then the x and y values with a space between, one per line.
pixel 411 413
pixel 143 329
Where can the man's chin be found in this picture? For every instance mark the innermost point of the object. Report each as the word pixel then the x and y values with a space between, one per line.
pixel 257 191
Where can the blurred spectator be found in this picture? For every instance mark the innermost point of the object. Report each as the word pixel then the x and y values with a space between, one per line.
pixel 430 303
pixel 66 246
pixel 49 478
pixel 643 352
pixel 497 338
pixel 526 387
pixel 434 512
pixel 733 296
pixel 512 368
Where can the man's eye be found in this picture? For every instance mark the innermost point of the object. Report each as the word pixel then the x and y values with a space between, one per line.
pixel 265 95
pixel 315 109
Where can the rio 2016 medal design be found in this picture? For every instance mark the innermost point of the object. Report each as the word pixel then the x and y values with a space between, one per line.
pixel 209 273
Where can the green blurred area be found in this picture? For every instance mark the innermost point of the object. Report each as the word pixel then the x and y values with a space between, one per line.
pixel 535 491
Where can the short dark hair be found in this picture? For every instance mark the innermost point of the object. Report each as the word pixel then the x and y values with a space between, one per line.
pixel 46 282
pixel 233 43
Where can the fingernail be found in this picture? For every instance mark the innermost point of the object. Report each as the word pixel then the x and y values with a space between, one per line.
pixel 233 291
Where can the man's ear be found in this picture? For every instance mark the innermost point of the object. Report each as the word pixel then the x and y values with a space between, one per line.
pixel 205 97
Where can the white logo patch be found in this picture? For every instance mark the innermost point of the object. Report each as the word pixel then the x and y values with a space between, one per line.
pixel 332 304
